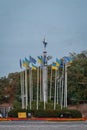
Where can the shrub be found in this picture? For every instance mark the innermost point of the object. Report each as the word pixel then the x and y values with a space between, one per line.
pixel 47 113
pixel 69 113
pixel 76 113
pixel 14 112
pixel 58 113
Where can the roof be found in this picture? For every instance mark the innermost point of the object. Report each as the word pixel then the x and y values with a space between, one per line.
pixel 6 105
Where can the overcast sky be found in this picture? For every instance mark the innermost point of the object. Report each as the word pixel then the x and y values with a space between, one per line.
pixel 24 24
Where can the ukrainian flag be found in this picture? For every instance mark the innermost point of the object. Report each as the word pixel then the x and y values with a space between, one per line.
pixel 32 60
pixel 25 64
pixel 67 60
pixel 34 67
pixel 54 67
pixel 40 61
pixel 58 62
pixel 27 61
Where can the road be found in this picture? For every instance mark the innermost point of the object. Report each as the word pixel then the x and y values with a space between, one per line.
pixel 42 125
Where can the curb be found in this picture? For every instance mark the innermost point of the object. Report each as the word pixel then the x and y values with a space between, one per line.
pixel 43 119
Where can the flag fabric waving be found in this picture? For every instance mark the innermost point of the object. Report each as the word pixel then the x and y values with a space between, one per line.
pixel 34 67
pixel 54 67
pixel 25 64
pixel 20 64
pixel 58 62
pixel 67 60
pixel 27 60
pixel 70 59
pixel 40 61
pixel 32 60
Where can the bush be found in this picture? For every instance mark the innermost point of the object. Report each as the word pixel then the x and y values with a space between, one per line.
pixel 57 113
pixel 14 112
pixel 76 113
pixel 48 113
pixel 49 106
pixel 45 113
pixel 69 114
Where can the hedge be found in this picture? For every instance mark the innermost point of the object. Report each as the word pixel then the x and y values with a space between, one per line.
pixel 47 113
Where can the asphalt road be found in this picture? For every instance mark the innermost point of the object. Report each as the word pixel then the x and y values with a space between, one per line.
pixel 43 125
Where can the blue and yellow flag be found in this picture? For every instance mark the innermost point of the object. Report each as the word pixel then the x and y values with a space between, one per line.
pixel 58 62
pixel 70 59
pixel 32 60
pixel 34 67
pixel 54 67
pixel 40 60
pixel 27 60
pixel 67 60
pixel 25 64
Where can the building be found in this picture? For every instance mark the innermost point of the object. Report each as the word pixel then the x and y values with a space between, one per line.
pixel 5 108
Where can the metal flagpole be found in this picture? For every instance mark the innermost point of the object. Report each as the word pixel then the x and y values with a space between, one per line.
pixel 62 87
pixel 30 86
pixel 62 93
pixel 26 89
pixel 65 87
pixel 55 90
pixel 40 85
pixel 23 86
pixel 37 86
pixel 51 83
pixel 57 86
pixel 22 89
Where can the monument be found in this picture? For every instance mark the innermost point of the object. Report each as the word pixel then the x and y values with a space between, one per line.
pixel 44 75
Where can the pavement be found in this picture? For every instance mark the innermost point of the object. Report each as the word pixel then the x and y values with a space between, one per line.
pixel 43 125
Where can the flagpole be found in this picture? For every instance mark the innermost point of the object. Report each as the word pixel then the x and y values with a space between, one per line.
pixel 26 88
pixel 62 93
pixel 57 85
pixel 65 92
pixel 30 86
pixel 37 86
pixel 55 91
pixel 62 87
pixel 50 83
pixel 22 89
pixel 40 86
